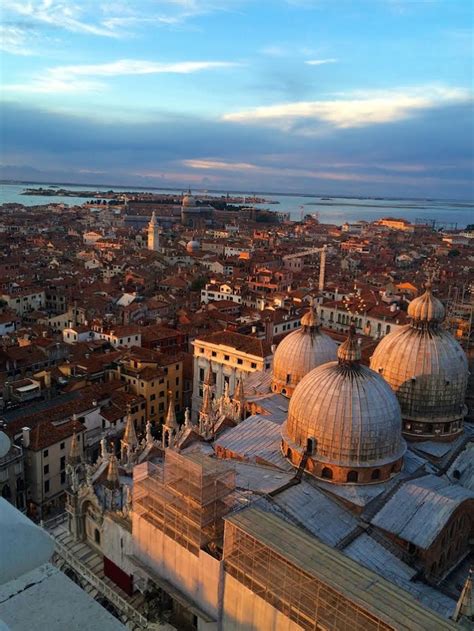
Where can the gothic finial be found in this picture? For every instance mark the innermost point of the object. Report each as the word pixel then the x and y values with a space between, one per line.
pixel 171 421
pixel 74 450
pixel 113 480
pixel 130 435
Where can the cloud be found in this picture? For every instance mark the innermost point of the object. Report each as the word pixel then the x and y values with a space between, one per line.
pixel 60 14
pixel 354 109
pixel 320 62
pixel 397 175
pixel 112 19
pixel 69 78
pixel 14 40
pixel 426 156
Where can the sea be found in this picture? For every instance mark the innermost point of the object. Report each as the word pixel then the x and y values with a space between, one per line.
pixel 449 214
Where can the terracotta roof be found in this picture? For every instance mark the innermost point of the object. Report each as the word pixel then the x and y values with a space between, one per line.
pixel 242 343
pixel 46 433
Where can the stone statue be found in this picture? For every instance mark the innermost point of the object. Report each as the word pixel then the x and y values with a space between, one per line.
pixel 187 418
pixel 104 454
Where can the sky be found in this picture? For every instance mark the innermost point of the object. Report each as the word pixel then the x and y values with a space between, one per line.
pixel 350 97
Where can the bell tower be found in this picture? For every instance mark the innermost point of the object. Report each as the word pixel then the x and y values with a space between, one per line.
pixel 153 234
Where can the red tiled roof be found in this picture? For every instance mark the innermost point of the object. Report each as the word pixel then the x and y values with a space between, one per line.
pixel 242 343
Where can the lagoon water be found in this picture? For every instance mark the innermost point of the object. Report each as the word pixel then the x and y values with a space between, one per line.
pixel 335 210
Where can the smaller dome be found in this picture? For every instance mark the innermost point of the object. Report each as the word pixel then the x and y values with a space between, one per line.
pixel 5 444
pixel 189 201
pixel 193 246
pixel 299 352
pixel 426 308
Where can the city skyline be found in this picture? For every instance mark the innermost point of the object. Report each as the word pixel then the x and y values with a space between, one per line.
pixel 356 98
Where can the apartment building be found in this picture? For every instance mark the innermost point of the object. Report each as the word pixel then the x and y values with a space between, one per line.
pixel 231 356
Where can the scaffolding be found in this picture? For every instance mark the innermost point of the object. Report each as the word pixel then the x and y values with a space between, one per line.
pixel 303 598
pixel 186 498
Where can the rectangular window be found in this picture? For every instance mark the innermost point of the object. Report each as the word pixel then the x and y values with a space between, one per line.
pixel 62 445
pixel 253 364
pixel 226 358
pixel 214 354
pixel 63 477
pixel 153 397
pixel 177 381
pixel 45 453
pixel 62 464
pixel 46 486
pixel 46 469
pixel 161 406
pixel 240 361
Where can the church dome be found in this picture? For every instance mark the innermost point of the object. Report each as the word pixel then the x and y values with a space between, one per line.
pixel 5 444
pixel 193 246
pixel 346 417
pixel 189 201
pixel 428 371
pixel 299 352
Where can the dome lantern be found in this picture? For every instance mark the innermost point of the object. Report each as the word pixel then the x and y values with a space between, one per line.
pixel 349 352
pixel 426 311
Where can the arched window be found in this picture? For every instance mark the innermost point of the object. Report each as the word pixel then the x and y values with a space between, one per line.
pixel 288 378
pixel 288 453
pixel 352 476
pixel 375 474
pixel 283 391
pixel 97 536
pixel 326 473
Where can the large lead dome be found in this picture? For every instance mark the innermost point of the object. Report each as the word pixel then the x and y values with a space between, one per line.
pixel 299 352
pixel 428 371
pixel 348 419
